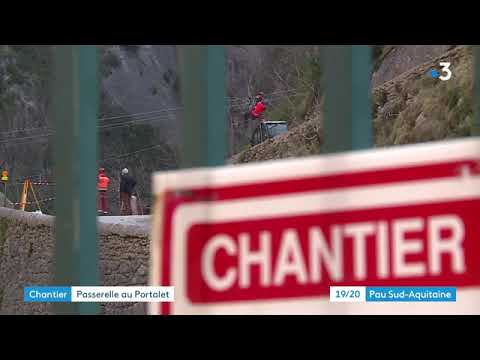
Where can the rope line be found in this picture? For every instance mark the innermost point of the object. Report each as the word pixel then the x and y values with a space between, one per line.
pixel 52 132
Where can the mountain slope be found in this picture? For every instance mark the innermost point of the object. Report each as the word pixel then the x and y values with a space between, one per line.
pixel 303 140
pixel 409 108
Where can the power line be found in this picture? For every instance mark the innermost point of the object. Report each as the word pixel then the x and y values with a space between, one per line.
pixel 139 114
pixel 110 118
pixel 36 137
pixel 101 119
pixel 22 130
pixel 128 123
pixel 132 153
pixel 125 123
pixel 117 117
pixel 232 99
pixel 133 115
pixel 101 128
pixel 6 141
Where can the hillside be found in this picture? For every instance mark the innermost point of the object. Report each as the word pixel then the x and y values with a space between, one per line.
pixel 303 140
pixel 414 107
pixel 410 107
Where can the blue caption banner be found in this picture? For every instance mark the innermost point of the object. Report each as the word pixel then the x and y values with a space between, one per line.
pixel 47 294
pixel 410 294
pixel 98 294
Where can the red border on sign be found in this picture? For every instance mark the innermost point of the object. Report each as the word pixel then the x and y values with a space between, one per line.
pixel 324 182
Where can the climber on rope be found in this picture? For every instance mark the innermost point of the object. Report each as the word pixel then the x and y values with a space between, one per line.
pixel 256 112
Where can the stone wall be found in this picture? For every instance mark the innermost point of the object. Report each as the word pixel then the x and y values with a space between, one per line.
pixel 27 259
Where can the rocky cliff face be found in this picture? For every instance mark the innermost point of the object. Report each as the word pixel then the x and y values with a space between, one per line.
pixel 144 80
pixel 400 58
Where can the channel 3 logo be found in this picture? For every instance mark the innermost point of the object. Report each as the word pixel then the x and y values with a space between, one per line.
pixel 445 70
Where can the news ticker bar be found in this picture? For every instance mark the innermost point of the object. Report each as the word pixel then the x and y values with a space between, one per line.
pixel 361 294
pixel 98 294
pixel 166 294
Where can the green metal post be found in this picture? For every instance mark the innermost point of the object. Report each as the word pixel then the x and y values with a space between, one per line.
pixel 476 122
pixel 204 94
pixel 75 113
pixel 348 119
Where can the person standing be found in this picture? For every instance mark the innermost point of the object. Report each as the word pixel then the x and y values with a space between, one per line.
pixel 102 187
pixel 127 184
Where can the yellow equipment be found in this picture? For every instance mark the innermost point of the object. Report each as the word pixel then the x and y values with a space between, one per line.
pixel 23 200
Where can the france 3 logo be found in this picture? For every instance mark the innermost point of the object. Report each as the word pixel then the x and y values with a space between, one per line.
pixel 445 70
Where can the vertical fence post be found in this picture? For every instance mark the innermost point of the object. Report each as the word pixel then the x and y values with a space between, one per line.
pixel 204 101
pixel 75 113
pixel 348 119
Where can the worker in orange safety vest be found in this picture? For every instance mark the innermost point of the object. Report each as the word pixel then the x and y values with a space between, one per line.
pixel 102 187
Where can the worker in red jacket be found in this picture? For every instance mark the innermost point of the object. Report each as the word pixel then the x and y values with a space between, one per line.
pixel 102 187
pixel 256 113
pixel 259 108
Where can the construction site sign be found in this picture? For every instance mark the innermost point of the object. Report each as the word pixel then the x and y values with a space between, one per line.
pixel 273 237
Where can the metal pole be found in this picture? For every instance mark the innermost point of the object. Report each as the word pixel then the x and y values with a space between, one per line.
pixel 75 104
pixel 348 119
pixel 203 93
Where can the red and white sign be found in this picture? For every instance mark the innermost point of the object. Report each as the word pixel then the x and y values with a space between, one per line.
pixel 271 238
